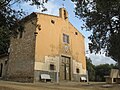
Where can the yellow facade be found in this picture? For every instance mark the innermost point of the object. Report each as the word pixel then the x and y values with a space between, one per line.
pixel 49 43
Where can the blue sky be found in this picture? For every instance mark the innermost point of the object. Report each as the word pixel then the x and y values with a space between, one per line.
pixel 53 9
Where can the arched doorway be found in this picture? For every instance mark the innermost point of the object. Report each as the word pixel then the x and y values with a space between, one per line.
pixel 1 69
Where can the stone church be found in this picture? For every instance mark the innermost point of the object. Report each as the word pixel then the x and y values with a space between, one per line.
pixel 48 45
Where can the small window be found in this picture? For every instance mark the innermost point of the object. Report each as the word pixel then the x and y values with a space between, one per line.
pixel 76 33
pixel 21 30
pixel 77 70
pixel 5 62
pixel 65 14
pixel 52 67
pixel 52 21
pixel 65 38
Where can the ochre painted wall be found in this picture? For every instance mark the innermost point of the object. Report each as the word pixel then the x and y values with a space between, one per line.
pixel 49 40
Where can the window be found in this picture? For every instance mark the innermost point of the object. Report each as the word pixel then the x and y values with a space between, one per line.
pixel 76 33
pixel 77 70
pixel 65 38
pixel 21 30
pixel 52 21
pixel 64 14
pixel 5 62
pixel 52 67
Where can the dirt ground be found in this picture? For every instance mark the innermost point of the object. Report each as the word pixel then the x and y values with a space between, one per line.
pixel 7 85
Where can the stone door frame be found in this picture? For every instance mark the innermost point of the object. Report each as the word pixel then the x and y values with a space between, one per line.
pixel 65 67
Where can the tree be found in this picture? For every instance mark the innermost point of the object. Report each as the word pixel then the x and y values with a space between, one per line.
pixel 91 70
pixel 101 71
pixel 9 19
pixel 102 17
pixel 114 47
pixel 97 72
pixel 4 41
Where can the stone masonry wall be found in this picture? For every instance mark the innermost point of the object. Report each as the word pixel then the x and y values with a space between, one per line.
pixel 3 68
pixel 22 52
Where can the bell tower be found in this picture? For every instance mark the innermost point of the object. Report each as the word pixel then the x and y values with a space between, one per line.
pixel 63 13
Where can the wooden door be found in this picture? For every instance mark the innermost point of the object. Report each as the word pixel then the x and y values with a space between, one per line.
pixel 65 68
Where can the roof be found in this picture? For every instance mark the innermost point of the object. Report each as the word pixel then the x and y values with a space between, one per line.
pixel 32 15
pixel 25 19
pixel 47 14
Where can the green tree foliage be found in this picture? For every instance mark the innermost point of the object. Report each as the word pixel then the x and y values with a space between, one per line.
pixel 102 17
pixel 97 72
pixel 9 19
pixel 90 69
pixel 101 71
pixel 4 40
pixel 114 47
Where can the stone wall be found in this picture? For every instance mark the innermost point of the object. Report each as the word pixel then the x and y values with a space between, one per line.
pixel 44 67
pixel 3 66
pixel 22 54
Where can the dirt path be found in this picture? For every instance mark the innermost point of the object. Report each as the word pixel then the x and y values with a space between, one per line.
pixel 35 86
pixel 6 85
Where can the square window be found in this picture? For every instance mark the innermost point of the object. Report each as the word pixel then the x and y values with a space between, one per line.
pixel 77 70
pixel 65 38
pixel 52 67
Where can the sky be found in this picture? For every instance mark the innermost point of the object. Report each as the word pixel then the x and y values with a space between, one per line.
pixel 53 9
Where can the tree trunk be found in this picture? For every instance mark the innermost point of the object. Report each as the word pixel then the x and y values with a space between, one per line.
pixel 119 66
